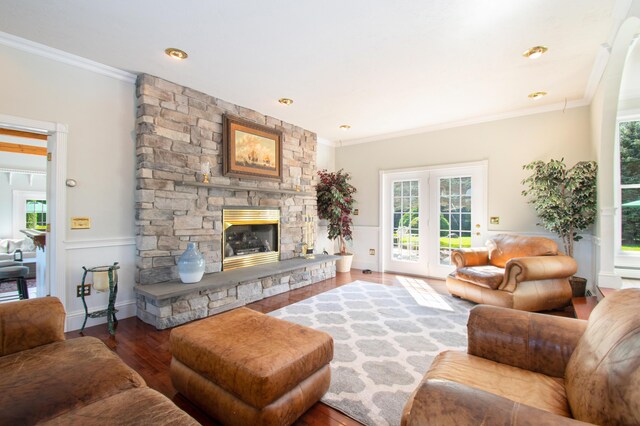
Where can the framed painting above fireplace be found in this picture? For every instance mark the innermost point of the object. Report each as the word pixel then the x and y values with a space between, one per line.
pixel 251 150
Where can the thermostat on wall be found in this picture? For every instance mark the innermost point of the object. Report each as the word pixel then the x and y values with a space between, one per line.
pixel 80 223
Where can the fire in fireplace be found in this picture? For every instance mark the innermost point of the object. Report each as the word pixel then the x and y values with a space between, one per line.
pixel 250 237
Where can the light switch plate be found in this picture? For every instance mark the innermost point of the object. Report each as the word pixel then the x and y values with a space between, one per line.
pixel 80 223
pixel 495 220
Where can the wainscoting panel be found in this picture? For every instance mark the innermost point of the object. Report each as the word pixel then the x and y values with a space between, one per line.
pixel 91 253
pixel 366 237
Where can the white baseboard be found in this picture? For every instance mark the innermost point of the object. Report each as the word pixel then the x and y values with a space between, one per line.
pixel 609 280
pixel 373 265
pixel 125 309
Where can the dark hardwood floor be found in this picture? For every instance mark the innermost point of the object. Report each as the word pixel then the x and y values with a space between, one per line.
pixel 146 349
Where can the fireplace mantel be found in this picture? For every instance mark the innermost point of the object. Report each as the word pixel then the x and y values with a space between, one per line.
pixel 250 188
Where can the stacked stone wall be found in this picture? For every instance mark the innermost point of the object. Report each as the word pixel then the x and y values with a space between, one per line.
pixel 178 129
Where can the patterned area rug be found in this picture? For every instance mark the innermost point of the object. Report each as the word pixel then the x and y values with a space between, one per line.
pixel 385 339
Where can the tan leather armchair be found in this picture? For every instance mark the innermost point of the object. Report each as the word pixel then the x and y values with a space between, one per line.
pixel 523 368
pixel 526 273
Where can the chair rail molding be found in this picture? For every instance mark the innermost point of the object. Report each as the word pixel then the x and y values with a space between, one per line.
pixel 99 243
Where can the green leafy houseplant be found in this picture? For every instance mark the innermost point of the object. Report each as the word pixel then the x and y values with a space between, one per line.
pixel 335 204
pixel 564 199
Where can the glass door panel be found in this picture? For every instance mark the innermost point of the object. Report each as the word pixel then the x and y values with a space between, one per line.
pixel 455 215
pixel 406 226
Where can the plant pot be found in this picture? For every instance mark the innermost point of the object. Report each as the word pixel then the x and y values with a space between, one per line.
pixel 578 286
pixel 344 263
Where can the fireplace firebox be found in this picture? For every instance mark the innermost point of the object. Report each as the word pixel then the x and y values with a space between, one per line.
pixel 250 237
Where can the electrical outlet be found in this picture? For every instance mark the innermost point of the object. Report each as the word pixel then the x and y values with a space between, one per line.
pixel 372 252
pixel 356 212
pixel 495 220
pixel 87 290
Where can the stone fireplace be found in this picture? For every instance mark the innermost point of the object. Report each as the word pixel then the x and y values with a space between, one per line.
pixel 250 237
pixel 177 130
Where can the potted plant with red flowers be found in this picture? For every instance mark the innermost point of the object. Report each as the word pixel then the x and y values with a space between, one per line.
pixel 335 204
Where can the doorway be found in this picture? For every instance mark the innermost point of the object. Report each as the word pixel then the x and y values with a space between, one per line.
pixel 55 135
pixel 429 211
pixel 23 166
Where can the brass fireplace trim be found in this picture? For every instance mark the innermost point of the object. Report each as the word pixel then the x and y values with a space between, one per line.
pixel 232 217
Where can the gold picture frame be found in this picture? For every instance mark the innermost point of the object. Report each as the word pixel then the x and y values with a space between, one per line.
pixel 251 150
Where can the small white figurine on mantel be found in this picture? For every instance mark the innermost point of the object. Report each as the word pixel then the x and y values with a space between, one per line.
pixel 205 169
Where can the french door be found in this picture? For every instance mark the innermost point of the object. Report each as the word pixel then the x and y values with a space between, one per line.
pixel 428 212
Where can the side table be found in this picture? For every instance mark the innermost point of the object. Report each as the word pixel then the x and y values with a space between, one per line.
pixel 111 310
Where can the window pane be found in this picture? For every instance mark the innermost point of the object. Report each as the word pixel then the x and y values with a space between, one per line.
pixel 455 186
pixel 466 222
pixel 397 189
pixel 630 152
pixel 466 186
pixel 406 188
pixel 444 187
pixel 630 231
pixel 414 188
pixel 465 239
pixel 466 204
pixel 455 203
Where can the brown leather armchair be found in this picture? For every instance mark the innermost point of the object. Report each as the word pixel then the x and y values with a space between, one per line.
pixel 524 368
pixel 526 273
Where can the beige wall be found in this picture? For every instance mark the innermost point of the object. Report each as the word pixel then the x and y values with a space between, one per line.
pixel 100 114
pixel 506 144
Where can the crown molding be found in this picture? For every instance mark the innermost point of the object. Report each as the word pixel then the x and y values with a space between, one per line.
pixel 327 142
pixel 560 106
pixel 64 57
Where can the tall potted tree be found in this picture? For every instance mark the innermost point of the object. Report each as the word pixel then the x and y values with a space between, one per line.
pixel 335 204
pixel 565 201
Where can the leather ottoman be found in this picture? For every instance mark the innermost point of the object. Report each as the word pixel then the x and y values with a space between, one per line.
pixel 246 368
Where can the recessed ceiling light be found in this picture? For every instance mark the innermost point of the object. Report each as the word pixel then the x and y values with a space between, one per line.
pixel 534 52
pixel 345 127
pixel 285 101
pixel 537 95
pixel 176 53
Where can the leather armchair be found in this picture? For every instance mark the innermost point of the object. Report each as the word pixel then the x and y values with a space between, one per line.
pixel 523 368
pixel 526 273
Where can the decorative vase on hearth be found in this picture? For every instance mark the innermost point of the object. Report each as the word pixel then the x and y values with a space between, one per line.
pixel 191 265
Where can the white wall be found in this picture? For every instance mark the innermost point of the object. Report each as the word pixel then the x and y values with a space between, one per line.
pixel 506 144
pixel 100 114
pixel 326 158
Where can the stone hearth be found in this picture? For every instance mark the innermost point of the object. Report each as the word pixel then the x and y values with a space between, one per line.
pixel 173 303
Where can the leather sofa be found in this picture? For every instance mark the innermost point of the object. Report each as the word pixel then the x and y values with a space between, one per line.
pixel 524 368
pixel 519 272
pixel 46 379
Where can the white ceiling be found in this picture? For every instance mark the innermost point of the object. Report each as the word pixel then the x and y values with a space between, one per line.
pixel 381 66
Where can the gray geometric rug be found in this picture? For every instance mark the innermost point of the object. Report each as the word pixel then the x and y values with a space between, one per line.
pixel 385 339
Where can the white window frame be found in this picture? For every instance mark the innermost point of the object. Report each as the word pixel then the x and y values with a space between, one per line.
pixel 622 259
pixel 19 209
